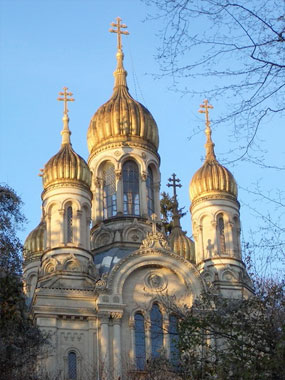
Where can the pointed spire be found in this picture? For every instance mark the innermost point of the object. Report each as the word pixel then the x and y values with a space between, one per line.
pixel 65 133
pixel 210 153
pixel 174 182
pixel 120 73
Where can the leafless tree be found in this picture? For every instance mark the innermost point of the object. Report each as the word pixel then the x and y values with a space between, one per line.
pixel 228 50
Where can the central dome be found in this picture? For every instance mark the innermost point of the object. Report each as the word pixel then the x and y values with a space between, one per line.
pixel 122 119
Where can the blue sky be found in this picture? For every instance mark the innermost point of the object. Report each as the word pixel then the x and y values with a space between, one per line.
pixel 46 45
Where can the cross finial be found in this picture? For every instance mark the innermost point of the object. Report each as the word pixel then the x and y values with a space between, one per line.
pixel 174 182
pixel 205 109
pixel 210 154
pixel 119 26
pixel 65 99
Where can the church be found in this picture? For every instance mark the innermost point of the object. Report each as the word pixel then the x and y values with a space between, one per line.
pixel 98 263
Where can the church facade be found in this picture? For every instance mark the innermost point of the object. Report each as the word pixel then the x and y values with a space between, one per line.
pixel 98 263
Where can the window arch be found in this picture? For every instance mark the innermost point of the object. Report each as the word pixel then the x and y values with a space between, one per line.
pixel 150 191
pixel 69 224
pixel 156 332
pixel 109 191
pixel 72 365
pixel 131 198
pixel 221 234
pixel 140 341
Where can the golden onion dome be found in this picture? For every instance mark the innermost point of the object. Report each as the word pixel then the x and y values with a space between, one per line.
pixel 122 119
pixel 181 244
pixel 34 243
pixel 66 166
pixel 212 177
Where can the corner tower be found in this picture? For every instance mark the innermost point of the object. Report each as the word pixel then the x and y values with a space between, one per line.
pixel 216 222
pixel 123 142
pixel 66 204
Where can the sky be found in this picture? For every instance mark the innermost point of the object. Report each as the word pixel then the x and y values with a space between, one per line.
pixel 46 45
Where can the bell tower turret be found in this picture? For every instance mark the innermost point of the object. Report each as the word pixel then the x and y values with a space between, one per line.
pixel 122 141
pixel 216 221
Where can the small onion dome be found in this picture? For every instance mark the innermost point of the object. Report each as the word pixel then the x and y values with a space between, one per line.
pixel 122 119
pixel 212 177
pixel 66 165
pixel 181 244
pixel 34 243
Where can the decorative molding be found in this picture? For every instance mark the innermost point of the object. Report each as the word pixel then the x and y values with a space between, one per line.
pixel 155 281
pixel 155 240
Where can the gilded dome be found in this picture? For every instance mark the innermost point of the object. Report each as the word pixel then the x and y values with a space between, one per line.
pixel 34 243
pixel 181 244
pixel 122 119
pixel 212 177
pixel 66 165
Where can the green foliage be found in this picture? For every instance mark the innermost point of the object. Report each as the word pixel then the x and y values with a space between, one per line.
pixel 20 339
pixel 167 207
pixel 11 219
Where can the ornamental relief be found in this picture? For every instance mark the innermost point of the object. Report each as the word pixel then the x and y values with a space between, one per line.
pixel 155 281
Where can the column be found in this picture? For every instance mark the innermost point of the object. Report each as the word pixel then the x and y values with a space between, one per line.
pixel 78 229
pixel 92 329
pixel 156 188
pixel 61 223
pixel 230 239
pixel 143 195
pixel 119 187
pixel 117 345
pixel 147 339
pixel 166 344
pixel 132 349
pixel 104 343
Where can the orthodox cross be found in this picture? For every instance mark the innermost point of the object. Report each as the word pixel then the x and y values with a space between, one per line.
pixel 119 31
pixel 205 109
pixel 65 99
pixel 153 223
pixel 174 182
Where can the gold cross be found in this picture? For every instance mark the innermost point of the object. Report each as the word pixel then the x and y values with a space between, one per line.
pixel 119 31
pixel 206 106
pixel 174 182
pixel 65 99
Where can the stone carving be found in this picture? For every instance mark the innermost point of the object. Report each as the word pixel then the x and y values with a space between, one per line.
pixel 71 336
pixel 155 240
pixel 117 153
pixel 116 315
pixel 155 281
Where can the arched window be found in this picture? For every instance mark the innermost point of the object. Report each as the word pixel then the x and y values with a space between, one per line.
pixel 69 220
pixel 150 192
pixel 221 234
pixel 140 341
pixel 131 188
pixel 109 191
pixel 156 332
pixel 173 340
pixel 72 366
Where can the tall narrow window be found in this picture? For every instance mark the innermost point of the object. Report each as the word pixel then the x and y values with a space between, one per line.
pixel 173 340
pixel 131 188
pixel 139 341
pixel 72 366
pixel 156 331
pixel 221 231
pixel 69 224
pixel 150 192
pixel 109 191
